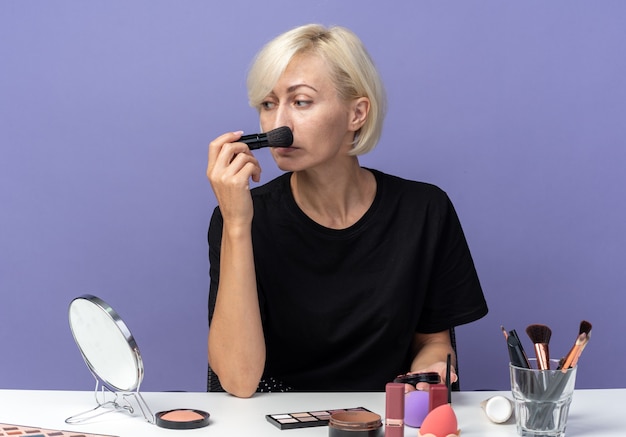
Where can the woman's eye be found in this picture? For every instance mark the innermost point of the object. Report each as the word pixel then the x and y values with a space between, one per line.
pixel 267 105
pixel 302 103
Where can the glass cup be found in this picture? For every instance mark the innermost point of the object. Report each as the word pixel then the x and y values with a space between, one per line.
pixel 542 399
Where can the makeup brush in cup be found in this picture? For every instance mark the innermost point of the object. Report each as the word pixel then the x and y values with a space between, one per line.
pixel 580 350
pixel 540 336
pixel 572 356
pixel 516 350
pixel 506 334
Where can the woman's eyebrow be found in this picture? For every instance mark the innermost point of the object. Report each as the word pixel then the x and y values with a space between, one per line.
pixel 293 88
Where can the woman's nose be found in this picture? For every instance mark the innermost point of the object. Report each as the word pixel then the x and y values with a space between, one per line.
pixel 282 117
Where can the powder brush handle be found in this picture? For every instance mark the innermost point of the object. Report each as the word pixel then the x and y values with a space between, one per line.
pixel 543 356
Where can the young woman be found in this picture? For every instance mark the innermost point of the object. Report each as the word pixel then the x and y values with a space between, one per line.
pixel 331 277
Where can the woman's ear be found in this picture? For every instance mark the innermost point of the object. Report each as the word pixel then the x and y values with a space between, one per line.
pixel 359 109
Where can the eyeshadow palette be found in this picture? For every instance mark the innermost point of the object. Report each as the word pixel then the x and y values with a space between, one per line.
pixel 31 431
pixel 305 419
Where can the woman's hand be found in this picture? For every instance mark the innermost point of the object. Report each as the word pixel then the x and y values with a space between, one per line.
pixel 431 351
pixel 230 167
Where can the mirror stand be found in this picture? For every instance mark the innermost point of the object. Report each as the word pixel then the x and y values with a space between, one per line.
pixel 109 400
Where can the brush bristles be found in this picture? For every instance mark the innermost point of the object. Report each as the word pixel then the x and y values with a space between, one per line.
pixel 539 333
pixel 585 327
pixel 280 137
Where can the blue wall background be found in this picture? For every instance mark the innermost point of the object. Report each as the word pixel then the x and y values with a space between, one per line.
pixel 516 109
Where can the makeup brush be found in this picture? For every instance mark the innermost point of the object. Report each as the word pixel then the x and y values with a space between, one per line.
pixel 516 350
pixel 448 382
pixel 506 334
pixel 581 341
pixel 540 336
pixel 580 350
pixel 279 137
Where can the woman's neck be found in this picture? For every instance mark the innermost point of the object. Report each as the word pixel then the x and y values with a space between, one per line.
pixel 336 198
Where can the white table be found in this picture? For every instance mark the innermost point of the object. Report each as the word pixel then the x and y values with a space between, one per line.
pixel 593 412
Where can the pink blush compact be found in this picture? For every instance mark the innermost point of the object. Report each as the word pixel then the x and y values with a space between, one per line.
pixel 182 419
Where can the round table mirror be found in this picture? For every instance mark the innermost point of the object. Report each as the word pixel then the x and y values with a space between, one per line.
pixel 111 353
pixel 105 343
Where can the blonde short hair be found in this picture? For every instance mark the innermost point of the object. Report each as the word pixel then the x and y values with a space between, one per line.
pixel 353 72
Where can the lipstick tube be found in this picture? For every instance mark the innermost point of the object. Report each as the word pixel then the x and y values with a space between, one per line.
pixel 394 409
